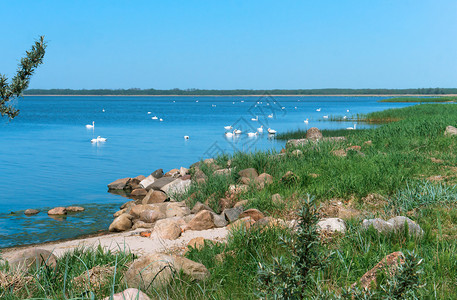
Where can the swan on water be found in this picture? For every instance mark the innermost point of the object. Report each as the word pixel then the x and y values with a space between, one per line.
pixel 352 128
pixel 196 101
pixel 306 121
pixel 325 117
pixel 319 109
pixel 98 139
pixel 252 134
pixel 213 105
pixel 237 131
pixel 229 134
pixel 103 110
pixel 88 126
pixel 149 112
pixel 345 117
pixel 260 129
pixel 347 110
pixel 255 119
pixel 186 137
pixel 160 119
pixel 270 116
pixel 228 127
pixel 271 131
pixel 154 118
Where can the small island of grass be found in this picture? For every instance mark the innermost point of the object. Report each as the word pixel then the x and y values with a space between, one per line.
pixel 420 99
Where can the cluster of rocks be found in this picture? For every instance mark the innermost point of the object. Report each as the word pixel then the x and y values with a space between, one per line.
pixel 313 135
pixel 450 130
pixel 56 211
pixel 155 207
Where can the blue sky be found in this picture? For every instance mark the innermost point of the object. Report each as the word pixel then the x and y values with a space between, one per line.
pixel 235 44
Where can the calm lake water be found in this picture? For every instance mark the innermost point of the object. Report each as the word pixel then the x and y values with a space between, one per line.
pixel 47 159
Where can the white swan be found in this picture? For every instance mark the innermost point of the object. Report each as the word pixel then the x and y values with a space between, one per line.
pixel 88 126
pixel 228 127
pixel 98 139
pixel 229 134
pixel 237 131
pixel 213 105
pixel 325 117
pixel 186 137
pixel 255 119
pixel 196 101
pixel 345 117
pixel 271 131
pixel 347 110
pixel 306 121
pixel 103 110
pixel 352 128
pixel 270 116
pixel 252 134
pixel 160 119
pixel 260 129
pixel 149 112
pixel 319 109
pixel 154 118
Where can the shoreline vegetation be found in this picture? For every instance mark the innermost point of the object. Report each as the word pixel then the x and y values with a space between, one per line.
pixel 241 92
pixel 316 227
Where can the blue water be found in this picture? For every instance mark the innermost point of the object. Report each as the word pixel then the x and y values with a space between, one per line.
pixel 47 159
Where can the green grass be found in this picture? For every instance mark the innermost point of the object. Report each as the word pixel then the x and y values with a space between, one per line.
pixel 420 99
pixel 400 156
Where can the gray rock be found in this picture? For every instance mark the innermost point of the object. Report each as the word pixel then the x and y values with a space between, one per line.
pixel 161 182
pixel 219 220
pixel 157 173
pixel 232 214
pixel 314 134
pixel 379 224
pixel 398 224
pixel 332 225
pixel 31 212
pixel 176 187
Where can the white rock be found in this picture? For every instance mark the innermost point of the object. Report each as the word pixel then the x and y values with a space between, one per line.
pixel 145 183
pixel 177 186
pixel 183 171
pixel 332 225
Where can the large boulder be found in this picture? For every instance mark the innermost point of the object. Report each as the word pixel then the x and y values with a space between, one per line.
pixel 176 187
pixel 203 220
pixel 57 211
pixel 154 196
pixel 118 184
pixel 129 294
pixel 450 130
pixel 332 225
pixel 314 134
pixel 249 173
pixel 167 229
pixel 396 224
pixel 121 223
pixel 136 210
pixel 255 214
pixel 156 270
pixel 31 258
pixel 161 182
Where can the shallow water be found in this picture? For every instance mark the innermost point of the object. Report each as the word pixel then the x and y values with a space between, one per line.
pixel 47 159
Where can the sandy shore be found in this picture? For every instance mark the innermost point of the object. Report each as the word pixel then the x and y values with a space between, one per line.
pixel 128 240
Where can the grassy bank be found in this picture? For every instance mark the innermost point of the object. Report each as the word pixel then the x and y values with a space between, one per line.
pixel 420 99
pixel 406 166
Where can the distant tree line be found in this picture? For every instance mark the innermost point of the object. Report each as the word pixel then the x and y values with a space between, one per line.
pixel 190 92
